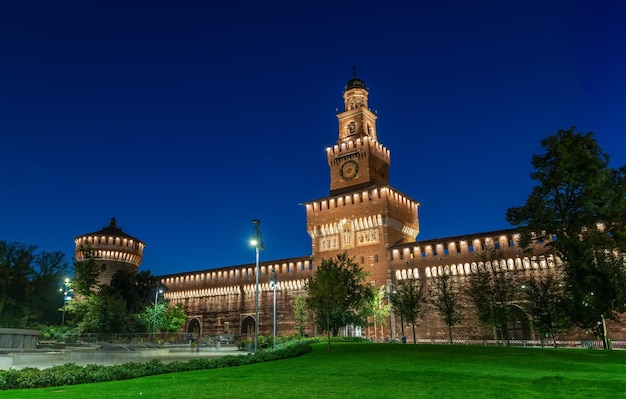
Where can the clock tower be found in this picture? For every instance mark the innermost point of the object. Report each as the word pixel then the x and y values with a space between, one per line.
pixel 363 215
pixel 357 160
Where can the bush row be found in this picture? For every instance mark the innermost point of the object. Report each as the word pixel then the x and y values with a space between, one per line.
pixel 71 374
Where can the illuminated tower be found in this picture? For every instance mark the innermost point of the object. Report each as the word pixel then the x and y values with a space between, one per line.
pixel 112 249
pixel 363 215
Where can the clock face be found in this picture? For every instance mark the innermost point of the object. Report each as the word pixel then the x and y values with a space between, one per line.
pixel 349 170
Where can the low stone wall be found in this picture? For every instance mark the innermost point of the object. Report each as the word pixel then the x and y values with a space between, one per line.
pixel 82 356
pixel 14 338
pixel 98 357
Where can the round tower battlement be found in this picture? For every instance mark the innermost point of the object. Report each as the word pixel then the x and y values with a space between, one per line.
pixel 112 249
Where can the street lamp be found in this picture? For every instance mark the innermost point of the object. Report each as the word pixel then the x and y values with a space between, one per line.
pixel 156 297
pixel 257 241
pixel 67 295
pixel 274 284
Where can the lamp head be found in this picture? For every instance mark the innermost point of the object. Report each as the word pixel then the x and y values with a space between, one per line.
pixel 257 237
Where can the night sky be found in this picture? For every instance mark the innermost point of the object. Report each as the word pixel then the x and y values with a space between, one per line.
pixel 185 120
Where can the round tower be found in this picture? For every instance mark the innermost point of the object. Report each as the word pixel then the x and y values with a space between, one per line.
pixel 112 249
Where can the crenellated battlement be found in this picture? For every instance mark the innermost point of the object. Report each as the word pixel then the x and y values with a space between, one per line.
pixel 449 246
pixel 111 247
pixel 232 280
pixel 371 194
pixel 361 144
pixel 248 289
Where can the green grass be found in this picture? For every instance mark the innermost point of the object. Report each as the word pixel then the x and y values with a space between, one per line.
pixel 364 370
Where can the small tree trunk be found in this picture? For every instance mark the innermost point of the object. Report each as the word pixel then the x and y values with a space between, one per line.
pixel 605 336
pixel 328 329
pixel 450 333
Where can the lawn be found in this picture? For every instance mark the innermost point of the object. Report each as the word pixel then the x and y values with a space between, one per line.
pixel 365 370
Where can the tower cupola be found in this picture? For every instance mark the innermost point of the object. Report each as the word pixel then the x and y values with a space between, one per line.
pixel 357 121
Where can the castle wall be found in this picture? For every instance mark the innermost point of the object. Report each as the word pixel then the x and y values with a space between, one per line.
pixel 220 299
pixel 375 225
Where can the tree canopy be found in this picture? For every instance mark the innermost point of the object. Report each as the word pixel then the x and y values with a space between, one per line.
pixel 494 290
pixel 409 299
pixel 125 305
pixel 545 302
pixel 582 202
pixel 339 295
pixel 86 273
pixel 29 285
pixel 446 298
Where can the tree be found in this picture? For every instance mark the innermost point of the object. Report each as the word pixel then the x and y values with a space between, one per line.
pixel 546 305
pixel 494 290
pixel 582 202
pixel 29 285
pixel 379 310
pixel 174 318
pixel 98 304
pixel 446 299
pixel 86 273
pixel 168 318
pixel 105 312
pixel 409 300
pixel 339 295
pixel 137 289
pixel 301 314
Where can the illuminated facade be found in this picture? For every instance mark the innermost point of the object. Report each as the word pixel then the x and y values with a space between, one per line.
pixel 112 249
pixel 363 215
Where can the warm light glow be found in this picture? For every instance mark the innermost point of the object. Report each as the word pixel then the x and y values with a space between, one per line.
pixel 253 242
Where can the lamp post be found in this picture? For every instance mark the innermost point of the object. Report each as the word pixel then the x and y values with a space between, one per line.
pixel 274 284
pixel 156 297
pixel 392 319
pixel 257 241
pixel 67 292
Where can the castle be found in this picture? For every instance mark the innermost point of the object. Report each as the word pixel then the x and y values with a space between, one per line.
pixel 363 215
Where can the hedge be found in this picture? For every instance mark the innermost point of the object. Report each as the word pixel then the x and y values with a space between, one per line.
pixel 72 374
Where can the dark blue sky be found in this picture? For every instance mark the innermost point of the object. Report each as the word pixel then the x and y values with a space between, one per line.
pixel 185 120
